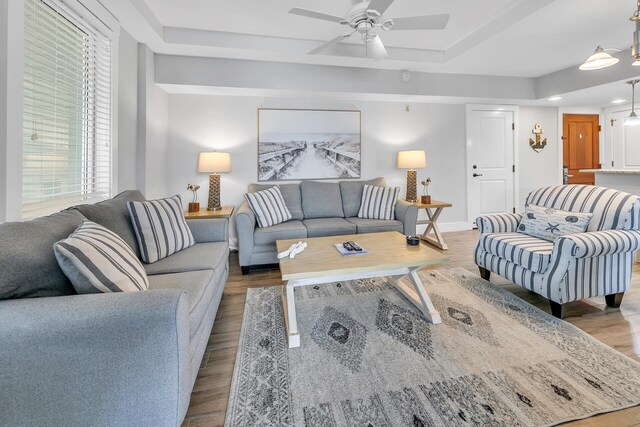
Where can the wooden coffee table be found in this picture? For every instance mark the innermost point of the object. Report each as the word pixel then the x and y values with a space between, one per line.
pixel 388 255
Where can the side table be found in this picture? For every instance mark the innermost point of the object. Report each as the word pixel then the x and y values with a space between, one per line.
pixel 204 213
pixel 432 233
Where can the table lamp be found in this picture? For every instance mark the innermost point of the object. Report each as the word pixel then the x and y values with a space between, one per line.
pixel 412 160
pixel 213 163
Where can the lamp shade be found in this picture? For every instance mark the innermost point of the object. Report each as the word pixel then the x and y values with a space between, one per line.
pixel 214 162
pixel 600 59
pixel 632 120
pixel 414 159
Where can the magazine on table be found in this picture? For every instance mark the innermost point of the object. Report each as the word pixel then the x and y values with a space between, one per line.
pixel 345 251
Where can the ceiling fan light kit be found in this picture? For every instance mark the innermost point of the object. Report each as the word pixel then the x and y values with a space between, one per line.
pixel 601 59
pixel 366 18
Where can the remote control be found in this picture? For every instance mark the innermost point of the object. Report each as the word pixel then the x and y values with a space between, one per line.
pixel 348 246
pixel 355 246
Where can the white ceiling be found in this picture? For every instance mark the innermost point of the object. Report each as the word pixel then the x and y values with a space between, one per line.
pixel 525 38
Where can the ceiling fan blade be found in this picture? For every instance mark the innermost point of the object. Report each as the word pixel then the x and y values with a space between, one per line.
pixel 316 15
pixel 380 5
pixel 375 49
pixel 328 45
pixel 429 22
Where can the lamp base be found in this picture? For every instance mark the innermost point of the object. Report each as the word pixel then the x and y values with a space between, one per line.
pixel 412 186
pixel 214 192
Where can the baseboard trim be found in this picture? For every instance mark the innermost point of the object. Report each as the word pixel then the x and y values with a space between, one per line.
pixel 446 227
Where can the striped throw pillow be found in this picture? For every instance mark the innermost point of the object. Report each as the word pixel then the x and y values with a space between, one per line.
pixel 378 202
pixel 268 206
pixel 96 260
pixel 160 228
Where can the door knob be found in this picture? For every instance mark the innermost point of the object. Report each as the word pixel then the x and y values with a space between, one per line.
pixel 475 175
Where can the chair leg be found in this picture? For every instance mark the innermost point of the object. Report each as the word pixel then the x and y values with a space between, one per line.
pixel 484 273
pixel 246 269
pixel 557 309
pixel 614 300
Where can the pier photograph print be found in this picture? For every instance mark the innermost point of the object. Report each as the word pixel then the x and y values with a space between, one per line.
pixel 308 144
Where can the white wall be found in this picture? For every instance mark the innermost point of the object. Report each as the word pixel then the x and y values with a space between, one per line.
pixel 226 123
pixel 538 169
pixel 127 112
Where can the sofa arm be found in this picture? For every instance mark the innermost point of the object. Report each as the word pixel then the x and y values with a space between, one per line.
pixel 245 226
pixel 597 243
pixel 498 223
pixel 408 214
pixel 99 359
pixel 209 229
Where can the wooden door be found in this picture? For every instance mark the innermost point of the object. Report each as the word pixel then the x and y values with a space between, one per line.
pixel 581 146
pixel 490 167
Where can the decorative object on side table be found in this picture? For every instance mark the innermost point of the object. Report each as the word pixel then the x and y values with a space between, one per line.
pixel 413 240
pixel 539 143
pixel 412 160
pixel 425 199
pixel 214 162
pixel 308 144
pixel 194 206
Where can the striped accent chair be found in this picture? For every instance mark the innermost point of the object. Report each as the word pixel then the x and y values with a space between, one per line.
pixel 597 262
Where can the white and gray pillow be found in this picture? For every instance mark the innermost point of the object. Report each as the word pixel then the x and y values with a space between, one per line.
pixel 96 260
pixel 378 202
pixel 160 227
pixel 550 223
pixel 268 206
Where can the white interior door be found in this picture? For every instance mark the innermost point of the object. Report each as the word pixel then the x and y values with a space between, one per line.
pixel 490 162
pixel 625 143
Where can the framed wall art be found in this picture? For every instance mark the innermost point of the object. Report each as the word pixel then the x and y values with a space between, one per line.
pixel 308 144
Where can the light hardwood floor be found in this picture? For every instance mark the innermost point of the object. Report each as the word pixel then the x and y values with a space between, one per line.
pixel 618 328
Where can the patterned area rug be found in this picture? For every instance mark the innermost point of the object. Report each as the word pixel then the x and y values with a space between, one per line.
pixel 368 358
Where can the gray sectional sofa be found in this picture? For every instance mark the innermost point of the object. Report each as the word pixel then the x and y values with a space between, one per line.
pixel 103 359
pixel 318 209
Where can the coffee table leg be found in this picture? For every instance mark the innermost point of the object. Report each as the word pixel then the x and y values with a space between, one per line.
pixel 289 309
pixel 423 302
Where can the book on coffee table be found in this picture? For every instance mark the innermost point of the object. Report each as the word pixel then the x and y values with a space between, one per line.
pixel 345 251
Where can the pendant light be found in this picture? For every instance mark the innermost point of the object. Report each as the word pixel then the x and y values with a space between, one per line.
pixel 633 119
pixel 600 59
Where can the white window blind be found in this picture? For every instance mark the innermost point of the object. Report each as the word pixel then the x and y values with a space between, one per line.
pixel 67 110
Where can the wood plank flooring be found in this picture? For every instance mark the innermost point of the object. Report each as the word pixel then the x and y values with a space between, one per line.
pixel 618 328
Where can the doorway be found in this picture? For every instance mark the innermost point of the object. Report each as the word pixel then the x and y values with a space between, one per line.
pixel 581 146
pixel 490 161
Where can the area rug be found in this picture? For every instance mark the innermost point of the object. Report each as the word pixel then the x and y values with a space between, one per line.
pixel 368 358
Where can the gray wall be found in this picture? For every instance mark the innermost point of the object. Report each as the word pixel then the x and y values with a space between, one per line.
pixel 538 169
pixel 226 123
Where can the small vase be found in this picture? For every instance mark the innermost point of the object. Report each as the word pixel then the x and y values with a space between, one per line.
pixel 425 200
pixel 194 207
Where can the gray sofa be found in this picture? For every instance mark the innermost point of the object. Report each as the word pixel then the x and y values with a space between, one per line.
pixel 103 359
pixel 318 209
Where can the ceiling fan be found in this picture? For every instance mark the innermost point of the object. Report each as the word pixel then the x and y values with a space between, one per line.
pixel 365 18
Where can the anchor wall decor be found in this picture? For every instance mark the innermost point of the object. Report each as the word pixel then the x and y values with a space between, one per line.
pixel 539 144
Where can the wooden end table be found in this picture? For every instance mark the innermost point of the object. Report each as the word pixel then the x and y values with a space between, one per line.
pixel 204 213
pixel 432 233
pixel 388 255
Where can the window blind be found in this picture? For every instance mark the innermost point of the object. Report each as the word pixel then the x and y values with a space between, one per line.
pixel 67 110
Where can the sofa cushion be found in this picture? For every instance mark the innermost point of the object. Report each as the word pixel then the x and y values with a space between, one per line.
pixel 378 202
pixel 97 260
pixel 320 227
pixel 376 225
pixel 114 215
pixel 28 267
pixel 351 192
pixel 550 223
pixel 286 230
pixel 528 252
pixel 291 195
pixel 199 287
pixel 268 206
pixel 201 256
pixel 321 199
pixel 160 227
